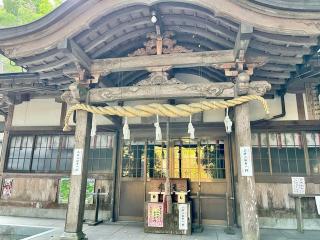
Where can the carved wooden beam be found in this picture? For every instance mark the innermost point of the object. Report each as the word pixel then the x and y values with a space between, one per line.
pixel 176 60
pixel 221 90
pixel 210 90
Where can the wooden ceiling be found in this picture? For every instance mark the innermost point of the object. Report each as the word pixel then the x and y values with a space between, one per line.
pixel 289 44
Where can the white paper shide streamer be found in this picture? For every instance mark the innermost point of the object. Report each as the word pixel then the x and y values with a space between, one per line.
pixel 228 122
pixel 158 130
pixel 93 126
pixel 126 130
pixel 318 203
pixel 191 129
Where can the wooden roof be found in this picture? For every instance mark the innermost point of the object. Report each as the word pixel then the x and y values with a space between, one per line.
pixel 286 32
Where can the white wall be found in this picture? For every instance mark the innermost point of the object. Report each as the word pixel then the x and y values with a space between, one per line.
pixel 37 112
pixel 291 107
pixel 189 78
pixel 257 111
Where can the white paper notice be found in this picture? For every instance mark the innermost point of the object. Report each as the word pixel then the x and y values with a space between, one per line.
pixel 318 203
pixel 298 185
pixel 77 161
pixel 246 161
pixel 183 216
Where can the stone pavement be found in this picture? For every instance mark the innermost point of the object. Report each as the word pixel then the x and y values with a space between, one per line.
pixel 133 231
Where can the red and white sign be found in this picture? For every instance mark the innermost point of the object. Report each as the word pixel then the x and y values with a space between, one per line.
pixel 155 215
pixel 7 186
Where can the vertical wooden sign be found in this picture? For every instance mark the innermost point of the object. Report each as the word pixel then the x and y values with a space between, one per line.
pixel 77 161
pixel 246 162
pixel 183 216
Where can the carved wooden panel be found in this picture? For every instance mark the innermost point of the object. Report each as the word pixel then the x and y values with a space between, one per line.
pixel 312 99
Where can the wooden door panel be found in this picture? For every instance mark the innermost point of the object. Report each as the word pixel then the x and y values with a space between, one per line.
pixel 131 200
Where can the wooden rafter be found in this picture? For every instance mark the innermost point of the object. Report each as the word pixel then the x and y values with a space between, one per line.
pixel 242 41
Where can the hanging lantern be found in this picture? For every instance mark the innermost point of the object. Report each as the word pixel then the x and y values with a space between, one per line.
pixel 93 126
pixel 158 130
pixel 228 122
pixel 191 129
pixel 126 130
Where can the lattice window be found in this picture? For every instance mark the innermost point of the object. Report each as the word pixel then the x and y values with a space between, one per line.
pixel 313 144
pixel 212 162
pixel 67 145
pixel 156 156
pixel 101 152
pixel 20 153
pixel 46 153
pixel 53 153
pixel 278 153
pixel 201 160
pixel 260 153
pixel 133 154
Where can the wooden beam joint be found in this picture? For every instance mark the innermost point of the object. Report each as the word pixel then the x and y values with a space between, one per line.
pixel 71 49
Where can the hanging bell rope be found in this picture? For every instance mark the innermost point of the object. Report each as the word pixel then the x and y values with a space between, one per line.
pixel 167 110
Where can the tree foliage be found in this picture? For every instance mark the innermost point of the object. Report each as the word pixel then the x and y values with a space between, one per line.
pixel 9 66
pixel 19 12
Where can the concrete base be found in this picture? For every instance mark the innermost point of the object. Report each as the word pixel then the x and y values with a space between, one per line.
pixel 57 213
pixel 73 236
pixel 288 223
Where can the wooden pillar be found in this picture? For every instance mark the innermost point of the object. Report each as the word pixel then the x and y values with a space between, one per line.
pixel 76 204
pixel 299 214
pixel 5 140
pixel 246 180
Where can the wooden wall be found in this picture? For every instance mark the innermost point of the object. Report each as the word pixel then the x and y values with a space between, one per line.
pixel 42 191
pixel 273 200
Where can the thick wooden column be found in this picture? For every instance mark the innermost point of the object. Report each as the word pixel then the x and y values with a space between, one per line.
pixel 76 204
pixel 5 141
pixel 246 180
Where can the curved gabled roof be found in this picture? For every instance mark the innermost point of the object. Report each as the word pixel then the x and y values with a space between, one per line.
pixel 115 28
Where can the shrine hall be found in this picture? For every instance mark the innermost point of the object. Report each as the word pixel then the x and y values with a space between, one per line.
pixel 177 114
